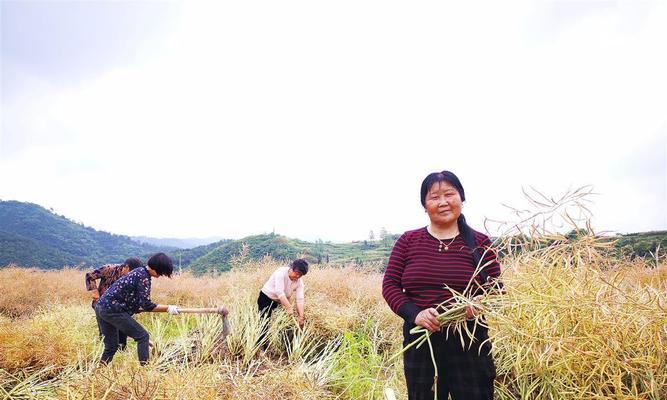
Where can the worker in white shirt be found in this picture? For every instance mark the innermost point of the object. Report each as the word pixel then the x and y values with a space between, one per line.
pixel 279 288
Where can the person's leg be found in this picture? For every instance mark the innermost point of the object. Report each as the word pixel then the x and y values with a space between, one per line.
pixel 470 372
pixel 110 337
pixel 125 323
pixel 122 338
pixel 418 367
pixel 265 305
pixel 99 325
pixel 97 319
pixel 122 341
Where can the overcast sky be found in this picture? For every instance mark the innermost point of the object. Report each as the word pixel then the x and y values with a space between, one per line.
pixel 320 119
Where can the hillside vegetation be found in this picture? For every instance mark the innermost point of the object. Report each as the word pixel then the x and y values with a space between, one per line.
pixel 31 235
pixel 219 256
pixel 642 244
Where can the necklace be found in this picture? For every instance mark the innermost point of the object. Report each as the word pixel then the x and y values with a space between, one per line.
pixel 441 244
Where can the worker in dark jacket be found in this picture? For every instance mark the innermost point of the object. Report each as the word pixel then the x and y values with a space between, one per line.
pixel 107 275
pixel 127 296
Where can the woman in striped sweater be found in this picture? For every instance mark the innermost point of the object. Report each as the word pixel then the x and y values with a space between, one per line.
pixel 422 262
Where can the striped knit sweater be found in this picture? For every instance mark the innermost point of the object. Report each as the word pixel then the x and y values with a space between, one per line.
pixel 417 271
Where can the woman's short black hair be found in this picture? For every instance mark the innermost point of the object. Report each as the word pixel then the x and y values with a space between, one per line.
pixel 444 176
pixel 300 265
pixel 133 263
pixel 161 263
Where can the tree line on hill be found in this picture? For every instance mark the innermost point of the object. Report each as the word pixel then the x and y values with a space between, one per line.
pixel 33 236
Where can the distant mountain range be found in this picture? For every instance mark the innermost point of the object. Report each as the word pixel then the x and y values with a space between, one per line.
pixel 32 236
pixel 186 243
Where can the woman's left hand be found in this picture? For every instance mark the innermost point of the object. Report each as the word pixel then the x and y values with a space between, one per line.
pixel 471 312
pixel 301 320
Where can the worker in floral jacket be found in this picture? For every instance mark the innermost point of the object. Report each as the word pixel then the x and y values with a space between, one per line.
pixel 107 275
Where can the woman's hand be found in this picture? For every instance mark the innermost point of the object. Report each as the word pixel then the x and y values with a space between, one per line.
pixel 287 306
pixel 472 311
pixel 428 319
pixel 301 320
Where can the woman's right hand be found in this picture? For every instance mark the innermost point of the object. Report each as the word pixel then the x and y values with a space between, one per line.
pixel 428 319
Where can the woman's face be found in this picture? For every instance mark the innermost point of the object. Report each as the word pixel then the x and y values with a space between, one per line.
pixel 443 203
pixel 294 275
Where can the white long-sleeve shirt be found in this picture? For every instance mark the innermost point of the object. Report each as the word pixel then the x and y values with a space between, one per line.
pixel 280 284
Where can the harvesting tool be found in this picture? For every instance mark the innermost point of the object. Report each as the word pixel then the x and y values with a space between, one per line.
pixel 223 311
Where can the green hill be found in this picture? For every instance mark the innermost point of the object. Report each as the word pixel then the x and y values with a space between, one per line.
pixel 643 244
pixel 277 246
pixel 16 249
pixel 187 256
pixel 218 256
pixel 31 235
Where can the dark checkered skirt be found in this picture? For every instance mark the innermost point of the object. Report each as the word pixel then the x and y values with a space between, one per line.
pixel 465 374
